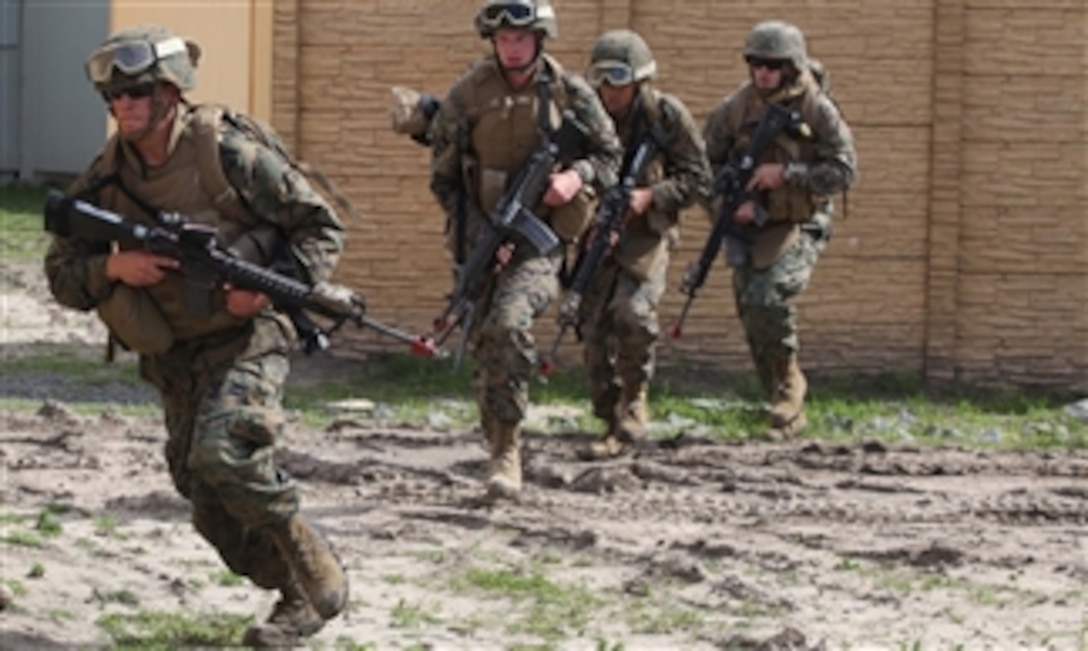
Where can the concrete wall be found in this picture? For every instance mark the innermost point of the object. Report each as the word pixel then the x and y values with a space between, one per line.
pixel 963 254
pixel 51 121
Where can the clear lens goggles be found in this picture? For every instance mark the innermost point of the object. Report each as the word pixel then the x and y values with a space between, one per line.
pixel 131 58
pixel 612 72
pixel 514 15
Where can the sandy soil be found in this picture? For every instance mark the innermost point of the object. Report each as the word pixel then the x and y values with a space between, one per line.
pixel 697 545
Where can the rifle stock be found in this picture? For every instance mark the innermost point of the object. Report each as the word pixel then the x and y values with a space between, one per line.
pixel 202 259
pixel 609 222
pixel 731 185
pixel 513 217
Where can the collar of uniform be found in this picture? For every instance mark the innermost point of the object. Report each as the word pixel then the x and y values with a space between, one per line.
pixel 181 120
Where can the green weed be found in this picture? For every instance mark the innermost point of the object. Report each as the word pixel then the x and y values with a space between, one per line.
pixel 413 616
pixel 24 236
pixel 162 631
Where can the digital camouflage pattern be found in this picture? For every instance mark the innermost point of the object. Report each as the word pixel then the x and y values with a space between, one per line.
pixel 504 348
pixel 621 326
pixel 222 389
pixel 817 166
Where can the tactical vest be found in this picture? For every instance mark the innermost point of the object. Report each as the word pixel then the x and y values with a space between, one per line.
pixel 505 130
pixel 788 203
pixel 191 182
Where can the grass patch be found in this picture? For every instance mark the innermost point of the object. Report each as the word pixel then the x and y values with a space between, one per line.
pixel 414 616
pixel 123 597
pixel 227 579
pixel 24 236
pixel 684 399
pixel 23 539
pixel 107 527
pixel 88 372
pixel 168 630
pixel 16 586
pixel 548 609
pixel 894 406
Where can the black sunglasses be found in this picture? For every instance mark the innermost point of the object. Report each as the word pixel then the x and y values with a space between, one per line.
pixel 135 92
pixel 770 64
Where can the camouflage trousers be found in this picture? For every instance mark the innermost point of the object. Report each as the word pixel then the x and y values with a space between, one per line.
pixel 222 399
pixel 765 301
pixel 620 330
pixel 504 349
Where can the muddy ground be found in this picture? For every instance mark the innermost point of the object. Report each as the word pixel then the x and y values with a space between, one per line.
pixel 693 545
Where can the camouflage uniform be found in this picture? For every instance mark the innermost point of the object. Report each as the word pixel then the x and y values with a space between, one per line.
pixel 620 328
pixel 786 249
pixel 482 134
pixel 221 377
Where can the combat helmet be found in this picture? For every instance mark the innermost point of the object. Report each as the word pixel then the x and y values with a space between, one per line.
pixel 776 39
pixel 143 54
pixel 537 15
pixel 620 57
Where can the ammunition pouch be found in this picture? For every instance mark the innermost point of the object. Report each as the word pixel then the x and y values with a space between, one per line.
pixel 570 220
pixel 772 242
pixel 790 204
pixel 134 318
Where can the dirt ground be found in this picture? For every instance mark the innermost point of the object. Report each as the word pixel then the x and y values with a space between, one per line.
pixel 697 545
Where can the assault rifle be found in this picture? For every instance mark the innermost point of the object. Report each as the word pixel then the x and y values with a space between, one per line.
pixel 512 217
pixel 732 186
pixel 205 265
pixel 609 221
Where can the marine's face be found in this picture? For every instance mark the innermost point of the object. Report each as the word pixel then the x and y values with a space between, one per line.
pixel 616 99
pixel 131 107
pixel 515 47
pixel 766 73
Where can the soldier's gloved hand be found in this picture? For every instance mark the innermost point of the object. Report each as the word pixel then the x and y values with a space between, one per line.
pixel 338 297
pixel 138 268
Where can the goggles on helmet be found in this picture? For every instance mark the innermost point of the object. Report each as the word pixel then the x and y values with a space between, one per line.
pixel 615 73
pixel 514 15
pixel 131 58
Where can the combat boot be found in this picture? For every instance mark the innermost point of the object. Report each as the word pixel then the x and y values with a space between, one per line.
pixel 605 447
pixel 504 470
pixel 788 399
pixel 292 618
pixel 631 413
pixel 314 566
pixel 625 428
